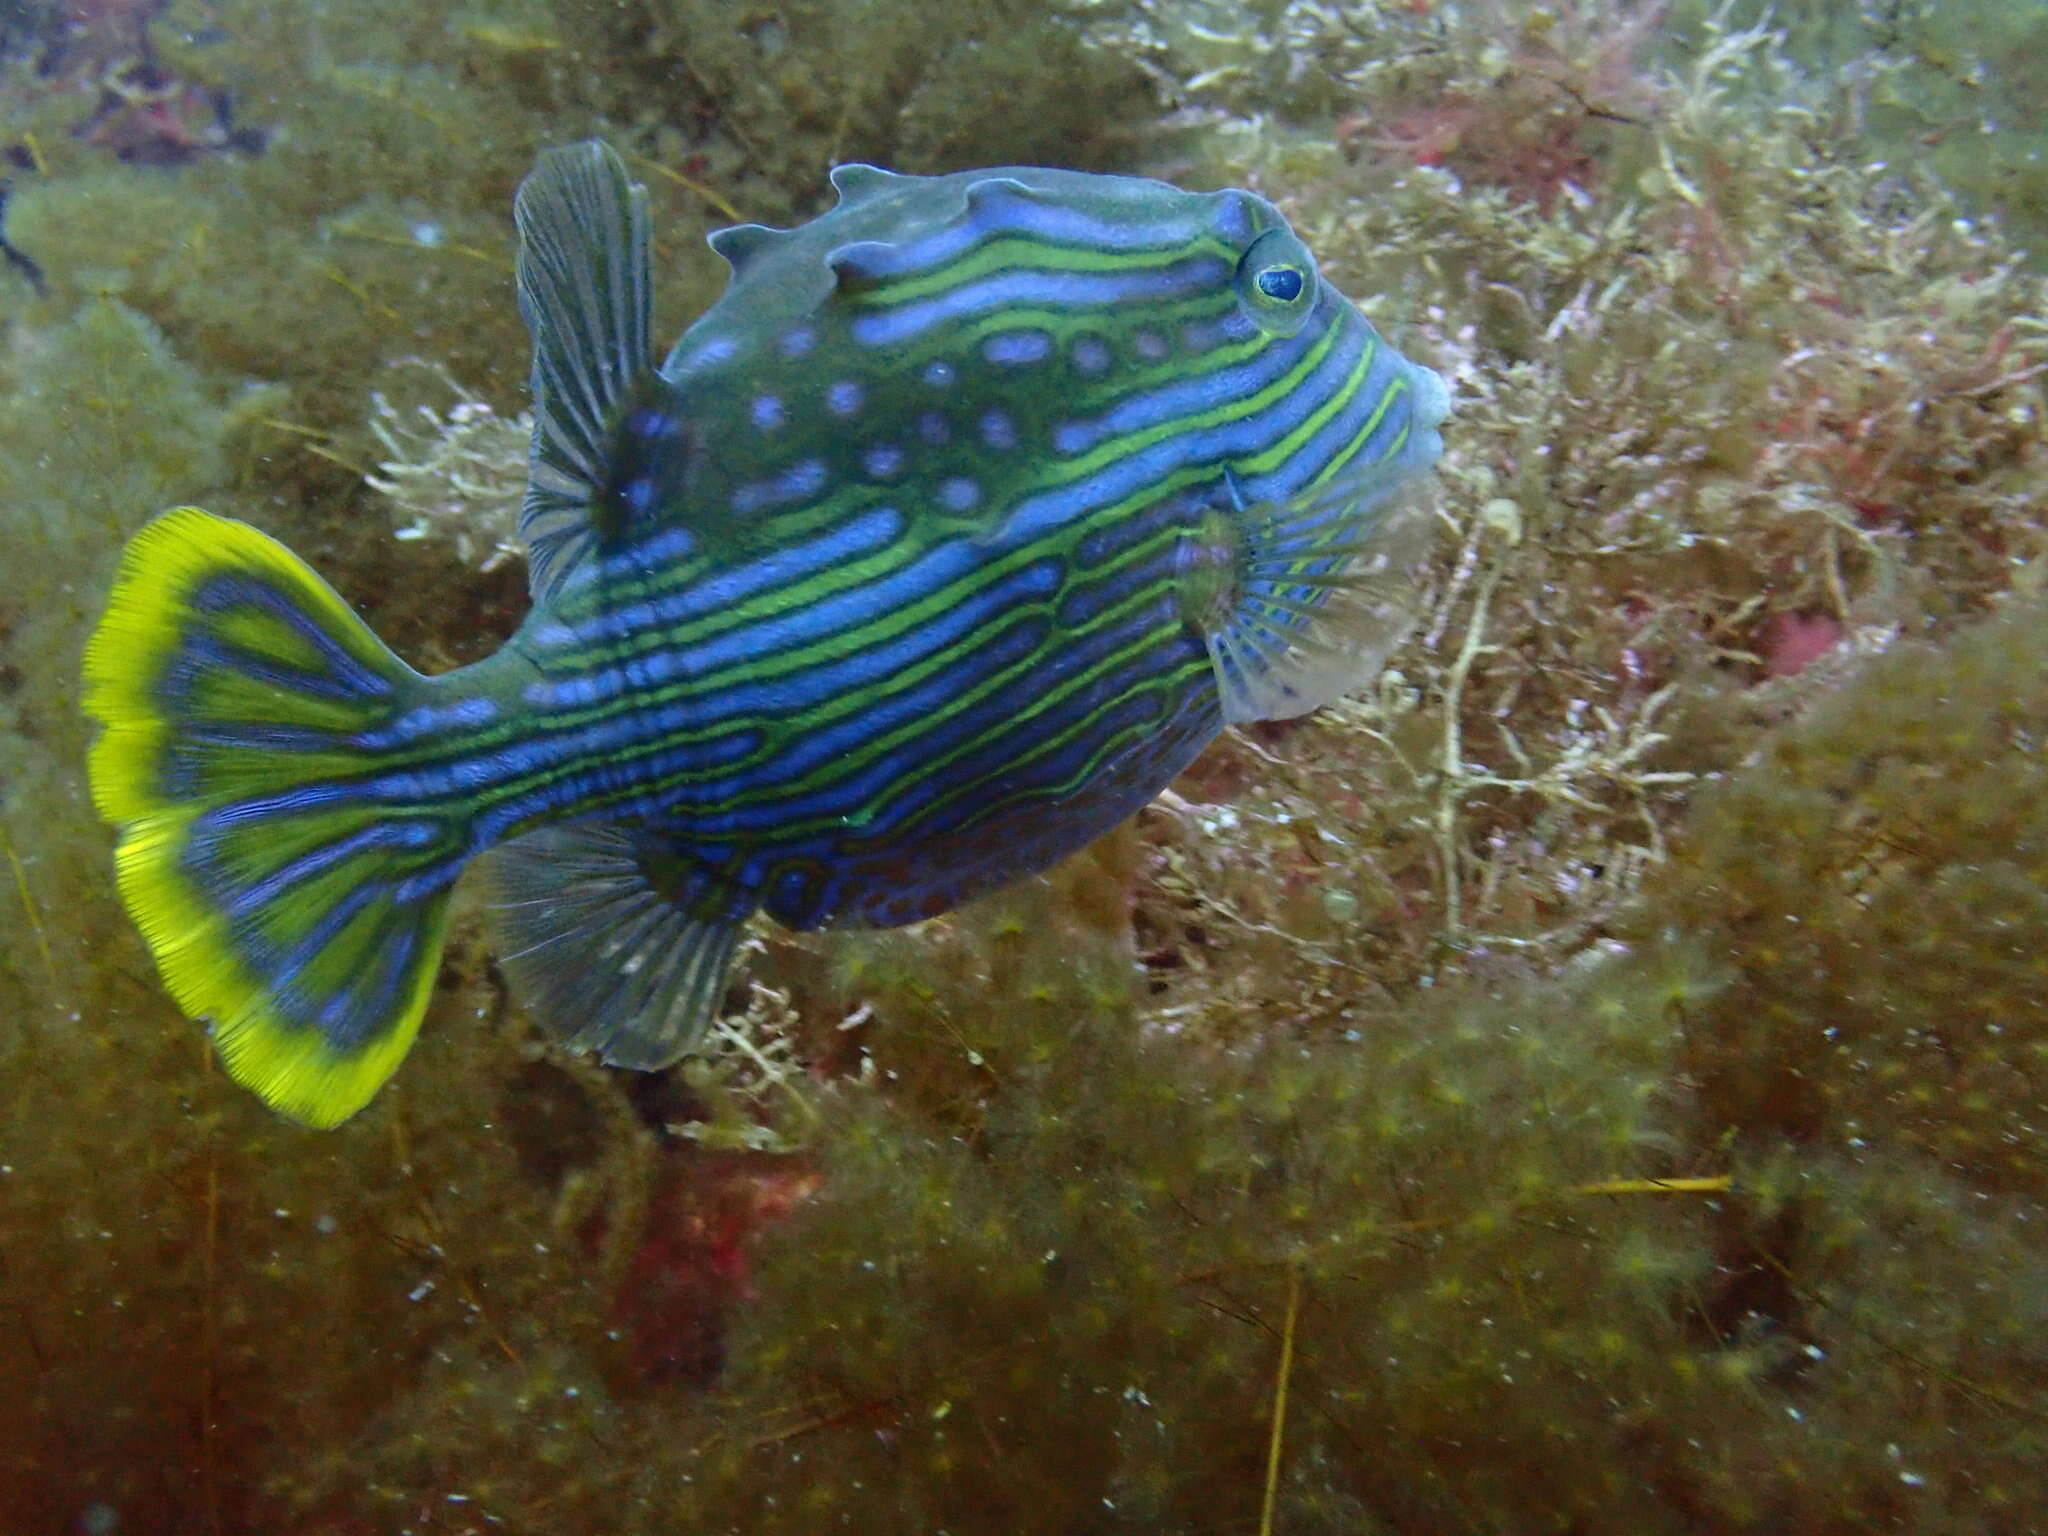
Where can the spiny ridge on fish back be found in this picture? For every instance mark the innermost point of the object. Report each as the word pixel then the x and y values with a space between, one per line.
pixel 973 510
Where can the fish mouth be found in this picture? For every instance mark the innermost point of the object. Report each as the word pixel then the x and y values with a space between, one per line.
pixel 1432 396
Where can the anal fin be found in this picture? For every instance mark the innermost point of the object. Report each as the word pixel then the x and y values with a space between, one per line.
pixel 613 941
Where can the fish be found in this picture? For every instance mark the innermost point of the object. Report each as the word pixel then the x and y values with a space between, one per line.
pixel 966 517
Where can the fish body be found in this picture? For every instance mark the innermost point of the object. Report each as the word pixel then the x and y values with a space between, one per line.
pixel 963 521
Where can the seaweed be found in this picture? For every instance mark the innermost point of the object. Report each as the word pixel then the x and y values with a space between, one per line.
pixel 1530 1251
pixel 760 100
pixel 1949 86
pixel 1698 472
pixel 454 471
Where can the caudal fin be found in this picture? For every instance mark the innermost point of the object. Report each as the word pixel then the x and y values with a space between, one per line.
pixel 291 884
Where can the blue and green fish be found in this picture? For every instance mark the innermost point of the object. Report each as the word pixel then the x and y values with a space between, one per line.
pixel 961 523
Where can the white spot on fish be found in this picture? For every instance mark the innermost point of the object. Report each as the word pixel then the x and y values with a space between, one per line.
pixel 799 482
pixel 1432 396
pixel 1013 348
pixel 937 374
pixel 998 431
pixel 717 351
pixel 653 424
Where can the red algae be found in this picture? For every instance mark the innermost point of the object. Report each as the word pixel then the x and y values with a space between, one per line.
pixel 1796 641
pixel 692 1265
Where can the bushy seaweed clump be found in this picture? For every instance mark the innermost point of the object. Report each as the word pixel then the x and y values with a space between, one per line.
pixel 1729 1227
pixel 1952 85
pixel 1564 1143
pixel 1725 423
pixel 100 423
pixel 756 100
pixel 454 471
pixel 1072 1313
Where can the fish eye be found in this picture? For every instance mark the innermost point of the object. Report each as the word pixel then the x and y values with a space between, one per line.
pixel 1282 283
pixel 1276 282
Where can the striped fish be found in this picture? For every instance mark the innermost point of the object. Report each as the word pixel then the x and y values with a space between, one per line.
pixel 972 511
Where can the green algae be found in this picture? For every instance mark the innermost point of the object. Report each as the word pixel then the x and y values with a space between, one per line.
pixel 1609 1054
pixel 917 85
pixel 101 422
pixel 1951 86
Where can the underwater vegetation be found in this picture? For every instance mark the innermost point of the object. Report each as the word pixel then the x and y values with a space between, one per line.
pixel 1593 1080
pixel 1952 85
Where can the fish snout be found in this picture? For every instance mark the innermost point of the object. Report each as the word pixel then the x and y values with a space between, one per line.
pixel 1432 396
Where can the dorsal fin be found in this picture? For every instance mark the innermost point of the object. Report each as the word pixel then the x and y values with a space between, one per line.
pixel 651 454
pixel 742 244
pixel 855 182
pixel 585 288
